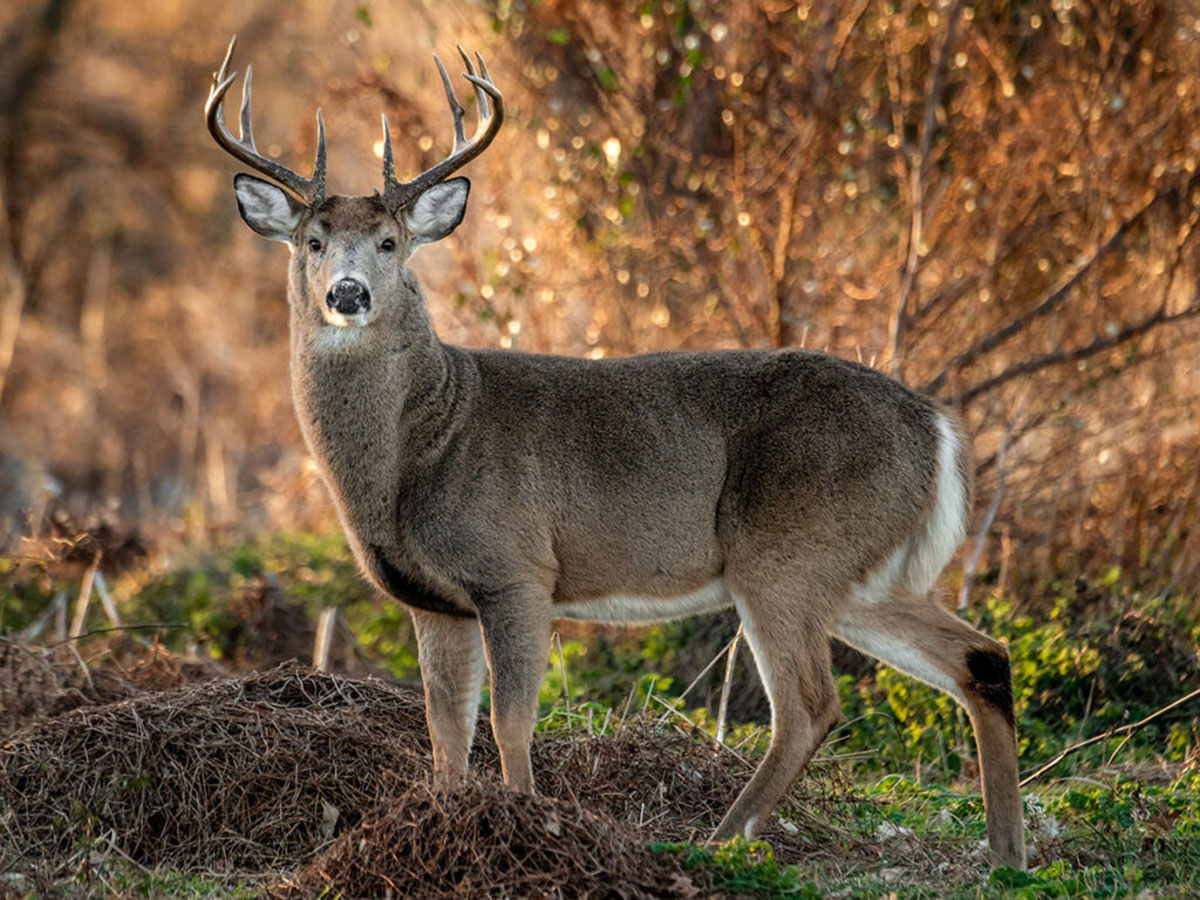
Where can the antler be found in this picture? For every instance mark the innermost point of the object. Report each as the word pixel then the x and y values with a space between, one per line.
pixel 399 194
pixel 310 190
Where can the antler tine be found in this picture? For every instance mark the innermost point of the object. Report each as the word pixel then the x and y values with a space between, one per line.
pixel 389 167
pixel 480 96
pixel 222 74
pixel 456 108
pixel 310 190
pixel 318 176
pixel 247 129
pixel 491 117
pixel 483 73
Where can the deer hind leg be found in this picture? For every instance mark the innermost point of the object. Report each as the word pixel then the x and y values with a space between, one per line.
pixel 450 652
pixel 927 641
pixel 792 655
pixel 516 636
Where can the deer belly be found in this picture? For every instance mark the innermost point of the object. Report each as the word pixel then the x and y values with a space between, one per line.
pixel 639 610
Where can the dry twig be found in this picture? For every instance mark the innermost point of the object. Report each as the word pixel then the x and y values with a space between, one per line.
pixel 1112 732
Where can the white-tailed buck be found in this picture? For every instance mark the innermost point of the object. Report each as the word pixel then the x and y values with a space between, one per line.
pixel 492 492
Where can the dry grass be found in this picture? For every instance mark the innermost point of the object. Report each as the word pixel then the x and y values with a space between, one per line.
pixel 257 774
pixel 247 774
pixel 480 840
pixel 672 786
pixel 40 682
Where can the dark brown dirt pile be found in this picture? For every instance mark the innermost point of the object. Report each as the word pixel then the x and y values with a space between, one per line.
pixel 479 840
pixel 674 786
pixel 257 773
pixel 246 774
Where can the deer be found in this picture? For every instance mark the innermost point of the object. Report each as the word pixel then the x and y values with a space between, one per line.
pixel 492 492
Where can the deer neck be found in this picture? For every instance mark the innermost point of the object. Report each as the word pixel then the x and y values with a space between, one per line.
pixel 374 405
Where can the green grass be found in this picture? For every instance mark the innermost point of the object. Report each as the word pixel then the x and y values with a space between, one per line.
pixel 1104 840
pixel 118 879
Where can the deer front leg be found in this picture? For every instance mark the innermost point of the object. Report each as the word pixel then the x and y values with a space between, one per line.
pixel 450 652
pixel 516 636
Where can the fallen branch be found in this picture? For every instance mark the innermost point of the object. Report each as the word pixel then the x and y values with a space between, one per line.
pixel 562 667
pixel 147 627
pixel 31 634
pixel 323 642
pixel 1112 732
pixel 106 600
pixel 721 745
pixel 85 597
pixel 708 668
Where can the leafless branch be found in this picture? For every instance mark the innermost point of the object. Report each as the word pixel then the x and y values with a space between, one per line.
pixel 730 662
pixel 148 626
pixel 993 508
pixel 1057 297
pixel 918 187
pixel 1100 344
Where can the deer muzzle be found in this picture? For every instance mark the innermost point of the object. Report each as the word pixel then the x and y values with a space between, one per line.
pixel 348 296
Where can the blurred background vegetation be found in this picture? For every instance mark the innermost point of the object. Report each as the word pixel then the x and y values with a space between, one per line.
pixel 994 201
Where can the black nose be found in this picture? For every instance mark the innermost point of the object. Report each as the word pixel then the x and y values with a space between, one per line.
pixel 348 296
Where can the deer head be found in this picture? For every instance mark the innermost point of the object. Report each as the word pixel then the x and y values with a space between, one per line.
pixel 350 254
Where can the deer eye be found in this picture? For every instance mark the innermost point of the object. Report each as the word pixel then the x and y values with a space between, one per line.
pixel 314 245
pixel 387 245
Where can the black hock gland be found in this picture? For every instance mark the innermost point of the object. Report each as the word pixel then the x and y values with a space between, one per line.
pixel 991 679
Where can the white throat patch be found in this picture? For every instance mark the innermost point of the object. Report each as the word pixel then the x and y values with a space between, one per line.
pixel 356 320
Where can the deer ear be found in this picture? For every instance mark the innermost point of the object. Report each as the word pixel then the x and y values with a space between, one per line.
pixel 437 212
pixel 269 210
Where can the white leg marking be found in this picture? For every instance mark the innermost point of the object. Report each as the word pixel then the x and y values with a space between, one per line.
pixel 748 829
pixel 751 633
pixel 898 653
pixel 616 608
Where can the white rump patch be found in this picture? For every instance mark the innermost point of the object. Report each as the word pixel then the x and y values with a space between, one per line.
pixel 879 584
pixel 916 564
pixel 644 610
pixel 946 526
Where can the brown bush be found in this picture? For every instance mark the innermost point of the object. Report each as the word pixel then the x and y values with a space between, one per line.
pixel 37 683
